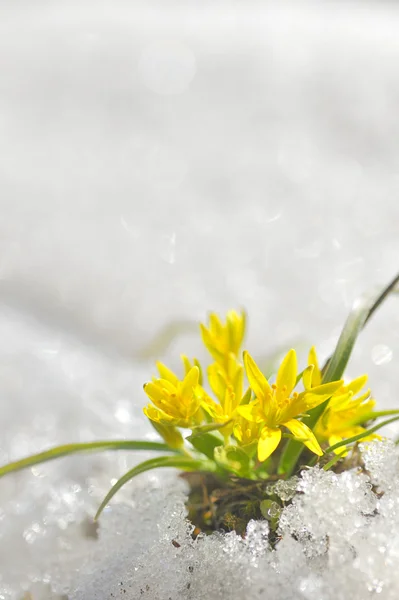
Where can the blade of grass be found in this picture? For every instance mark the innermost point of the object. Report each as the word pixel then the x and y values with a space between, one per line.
pixel 361 312
pixel 333 461
pixel 67 449
pixel 181 462
pixel 359 436
pixel 378 300
pixel 371 416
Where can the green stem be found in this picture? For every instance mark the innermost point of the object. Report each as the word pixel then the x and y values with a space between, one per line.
pixel 68 449
pixel 180 462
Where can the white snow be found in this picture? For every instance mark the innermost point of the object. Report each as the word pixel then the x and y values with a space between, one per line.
pixel 160 160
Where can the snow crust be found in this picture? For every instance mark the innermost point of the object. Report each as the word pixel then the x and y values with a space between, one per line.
pixel 159 161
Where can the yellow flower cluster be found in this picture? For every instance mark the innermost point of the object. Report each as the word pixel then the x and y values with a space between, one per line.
pixel 254 420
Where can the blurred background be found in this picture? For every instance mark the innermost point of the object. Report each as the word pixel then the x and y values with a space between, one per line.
pixel 159 160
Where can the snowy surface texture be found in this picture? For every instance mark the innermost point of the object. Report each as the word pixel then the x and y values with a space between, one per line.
pixel 160 160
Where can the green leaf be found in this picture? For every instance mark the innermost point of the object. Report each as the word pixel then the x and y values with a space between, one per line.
pixel 205 443
pixel 361 312
pixel 233 459
pixel 67 449
pixel 181 462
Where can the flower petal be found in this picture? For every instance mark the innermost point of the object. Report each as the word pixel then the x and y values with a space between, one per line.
pixel 186 363
pixel 320 393
pixel 154 392
pixel 357 384
pixel 155 415
pixel 286 375
pixel 304 435
pixel 327 388
pixel 190 382
pixel 312 360
pixel 235 325
pixel 213 409
pixel 209 343
pixel 257 380
pixel 335 439
pixel 216 381
pixel 307 377
pixel 215 325
pixel 268 441
pixel 250 412
pixel 167 374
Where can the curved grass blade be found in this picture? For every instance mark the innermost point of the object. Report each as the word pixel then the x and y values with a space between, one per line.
pixel 67 449
pixel 374 302
pixel 371 416
pixel 334 460
pixel 181 462
pixel 361 312
pixel 359 436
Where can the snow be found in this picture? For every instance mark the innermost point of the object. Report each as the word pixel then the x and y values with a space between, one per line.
pixel 158 161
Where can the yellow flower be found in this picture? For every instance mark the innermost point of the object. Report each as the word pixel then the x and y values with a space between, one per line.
pixel 175 402
pixel 222 340
pixel 246 432
pixel 227 386
pixel 343 414
pixel 188 366
pixel 277 405
pixel 316 373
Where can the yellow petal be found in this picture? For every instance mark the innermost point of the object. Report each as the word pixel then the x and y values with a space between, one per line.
pixel 335 439
pixel 250 412
pixel 305 435
pixel 357 384
pixel 268 441
pixel 238 384
pixel 235 330
pixel 341 402
pixel 216 381
pixel 257 380
pixel 190 382
pixel 213 409
pixel 307 377
pixel 209 343
pixel 237 430
pixel 320 393
pixel 327 388
pixel 166 373
pixel 286 375
pixel 312 360
pixel 186 363
pixel 169 433
pixel 215 325
pixel 156 415
pixel 154 392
